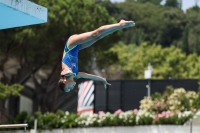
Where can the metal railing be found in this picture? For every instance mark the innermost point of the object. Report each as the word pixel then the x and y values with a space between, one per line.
pixel 14 126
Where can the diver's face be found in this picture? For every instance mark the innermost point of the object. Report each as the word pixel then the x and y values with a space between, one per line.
pixel 70 83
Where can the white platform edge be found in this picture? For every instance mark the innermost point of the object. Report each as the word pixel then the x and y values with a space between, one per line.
pixel 28 7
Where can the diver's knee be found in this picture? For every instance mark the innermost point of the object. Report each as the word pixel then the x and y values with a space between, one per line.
pixel 95 33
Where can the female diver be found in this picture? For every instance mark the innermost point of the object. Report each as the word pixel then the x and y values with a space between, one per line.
pixel 78 42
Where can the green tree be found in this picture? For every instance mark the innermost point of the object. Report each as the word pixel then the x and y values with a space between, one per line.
pixel 164 28
pixel 173 3
pixel 156 2
pixel 5 92
pixel 146 18
pixel 167 62
pixel 173 26
pixel 189 42
pixel 8 90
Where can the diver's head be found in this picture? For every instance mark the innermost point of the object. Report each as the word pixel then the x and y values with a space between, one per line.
pixel 66 82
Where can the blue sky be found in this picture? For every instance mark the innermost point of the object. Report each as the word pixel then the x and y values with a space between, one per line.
pixel 185 5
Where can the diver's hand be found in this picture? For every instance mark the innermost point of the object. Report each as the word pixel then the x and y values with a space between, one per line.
pixel 105 83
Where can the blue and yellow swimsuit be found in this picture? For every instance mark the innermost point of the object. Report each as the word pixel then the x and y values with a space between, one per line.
pixel 70 58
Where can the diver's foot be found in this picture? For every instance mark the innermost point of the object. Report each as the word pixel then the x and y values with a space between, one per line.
pixel 127 23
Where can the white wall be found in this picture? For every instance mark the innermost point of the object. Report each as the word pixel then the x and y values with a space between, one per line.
pixel 133 129
pixel 26 104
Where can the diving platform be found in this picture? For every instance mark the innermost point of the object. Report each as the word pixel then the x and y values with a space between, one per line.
pixel 17 13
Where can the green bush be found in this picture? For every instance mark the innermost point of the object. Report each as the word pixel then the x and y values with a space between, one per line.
pixel 68 120
pixel 60 119
pixel 197 100
pixel 174 100
pixel 174 106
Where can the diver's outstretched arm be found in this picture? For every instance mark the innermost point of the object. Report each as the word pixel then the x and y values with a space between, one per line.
pixel 92 77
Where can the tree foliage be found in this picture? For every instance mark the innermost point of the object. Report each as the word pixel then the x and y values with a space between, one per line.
pixel 168 62
pixel 173 3
pixel 8 90
pixel 190 41
pixel 156 2
pixel 165 27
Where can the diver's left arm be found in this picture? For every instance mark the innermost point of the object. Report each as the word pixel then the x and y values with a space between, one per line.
pixel 92 77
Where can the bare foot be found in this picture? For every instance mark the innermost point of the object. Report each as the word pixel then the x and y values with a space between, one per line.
pixel 127 23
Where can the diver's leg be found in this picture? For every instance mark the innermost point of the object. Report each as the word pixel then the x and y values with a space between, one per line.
pixel 97 34
pixel 100 36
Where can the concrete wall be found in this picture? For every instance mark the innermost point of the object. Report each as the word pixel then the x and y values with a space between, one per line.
pixel 134 129
pixel 25 104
